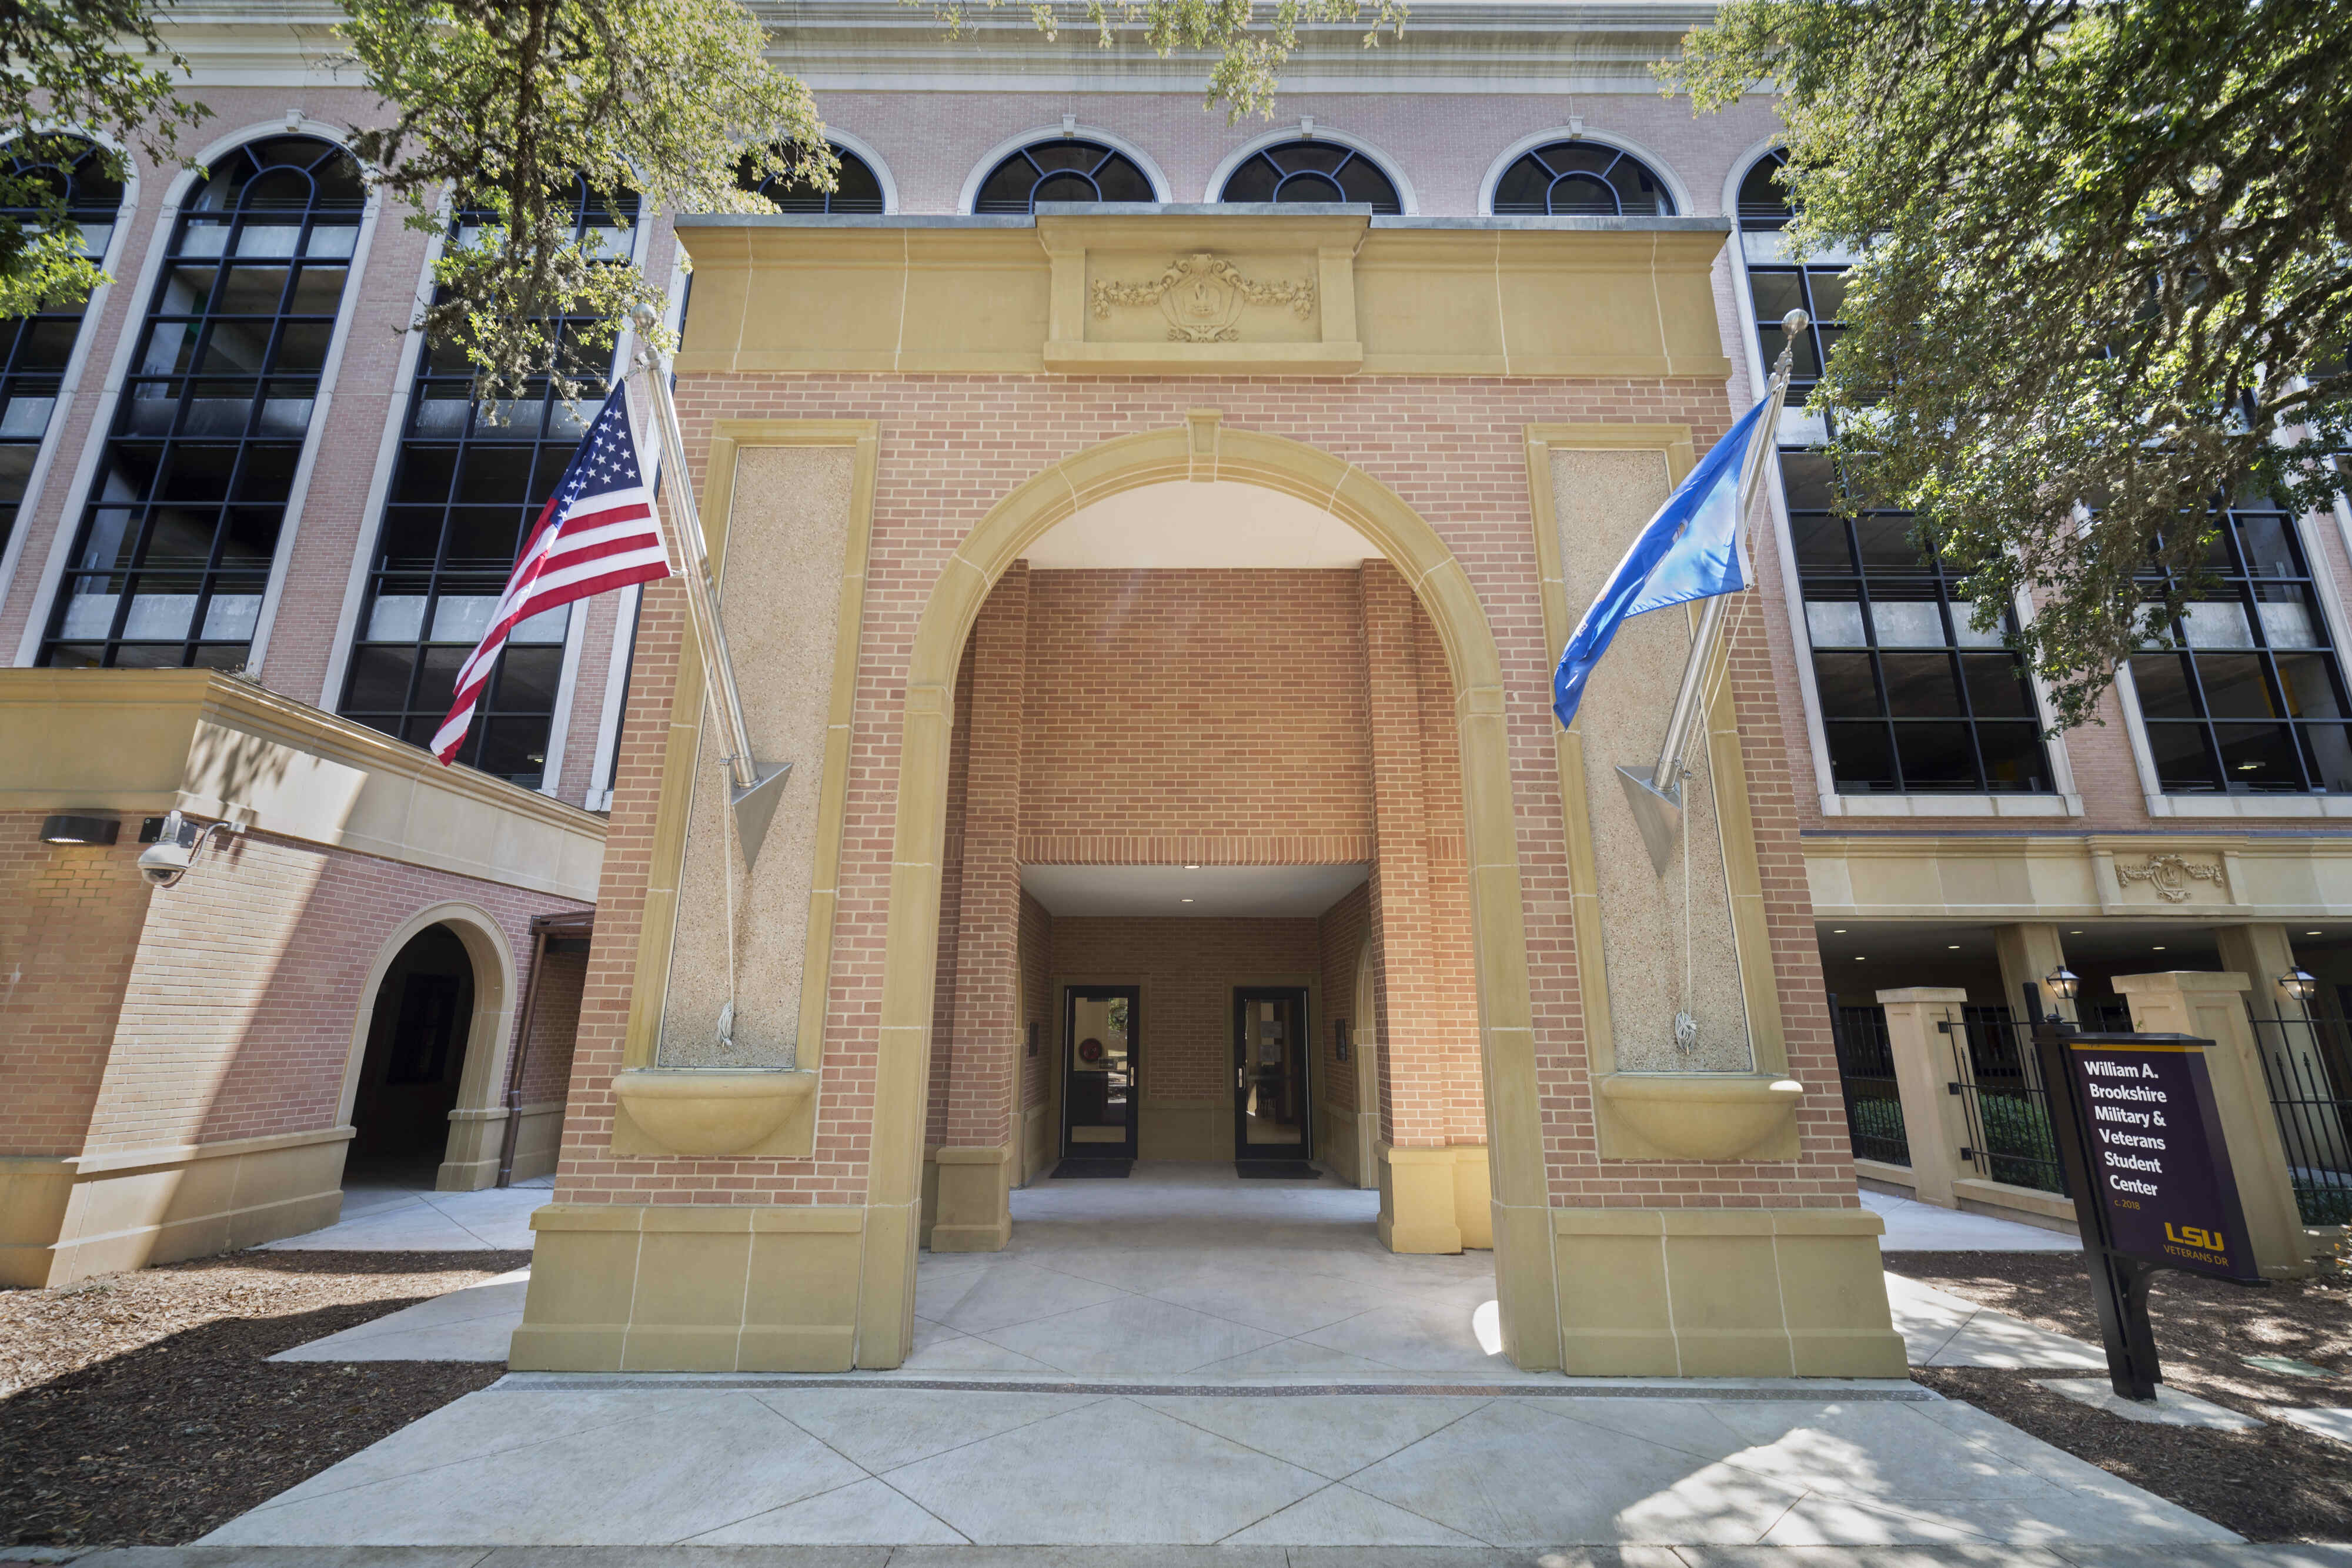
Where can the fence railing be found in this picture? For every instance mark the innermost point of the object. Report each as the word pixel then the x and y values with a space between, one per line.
pixel 1998 1080
pixel 1873 1105
pixel 2307 1066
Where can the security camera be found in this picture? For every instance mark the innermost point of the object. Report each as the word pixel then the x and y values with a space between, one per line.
pixel 167 860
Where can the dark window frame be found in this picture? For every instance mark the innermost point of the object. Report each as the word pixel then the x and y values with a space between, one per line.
pixel 36 349
pixel 1922 733
pixel 1009 170
pixel 1556 174
pixel 858 189
pixel 175 422
pixel 1388 200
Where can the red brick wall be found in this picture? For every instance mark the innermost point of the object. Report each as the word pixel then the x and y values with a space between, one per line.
pixel 1187 970
pixel 1206 705
pixel 1339 934
pixel 238 1019
pixel 555 1020
pixel 954 446
pixel 69 920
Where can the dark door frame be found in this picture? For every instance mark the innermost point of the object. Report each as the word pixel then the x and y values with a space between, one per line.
pixel 1134 995
pixel 1304 1045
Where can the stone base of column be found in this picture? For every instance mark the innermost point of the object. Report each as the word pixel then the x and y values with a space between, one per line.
pixel 691 1289
pixel 1723 1292
pixel 1435 1200
pixel 974 1212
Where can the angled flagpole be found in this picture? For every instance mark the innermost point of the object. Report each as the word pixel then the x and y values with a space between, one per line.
pixel 753 791
pixel 1655 793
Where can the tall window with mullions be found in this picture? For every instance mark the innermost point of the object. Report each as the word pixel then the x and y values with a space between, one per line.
pixel 175 542
pixel 1914 699
pixel 34 350
pixel 2248 695
pixel 466 490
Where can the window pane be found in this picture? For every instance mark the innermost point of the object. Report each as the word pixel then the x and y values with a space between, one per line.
pixel 1834 625
pixel 1936 756
pixel 191 445
pixel 2181 759
pixel 2014 757
pixel 2234 687
pixel 2309 683
pixel 2258 756
pixel 2217 624
pixel 1908 623
pixel 1860 757
pixel 2327 753
pixel 1920 685
pixel 1997 686
pixel 1846 686
pixel 2162 682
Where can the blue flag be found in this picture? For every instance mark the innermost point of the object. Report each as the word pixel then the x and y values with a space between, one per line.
pixel 1689 550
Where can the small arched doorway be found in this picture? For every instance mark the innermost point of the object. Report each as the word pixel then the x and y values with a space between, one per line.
pixel 413 1065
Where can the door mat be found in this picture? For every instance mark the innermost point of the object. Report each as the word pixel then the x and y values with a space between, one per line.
pixel 1094 1167
pixel 1277 1170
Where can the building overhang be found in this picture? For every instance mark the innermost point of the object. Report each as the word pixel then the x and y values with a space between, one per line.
pixel 1227 289
pixel 145 742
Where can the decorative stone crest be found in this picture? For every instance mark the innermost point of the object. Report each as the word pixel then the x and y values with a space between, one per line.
pixel 1202 295
pixel 2169 874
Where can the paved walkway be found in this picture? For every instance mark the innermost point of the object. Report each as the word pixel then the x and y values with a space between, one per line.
pixel 393 1217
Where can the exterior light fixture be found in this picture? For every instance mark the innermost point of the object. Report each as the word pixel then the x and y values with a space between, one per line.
pixel 74 828
pixel 1952 948
pixel 2063 983
pixel 2299 983
pixel 2157 950
pixel 1192 865
pixel 2311 934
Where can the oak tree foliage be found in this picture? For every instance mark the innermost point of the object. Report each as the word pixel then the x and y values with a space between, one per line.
pixel 74 67
pixel 655 104
pixel 2104 279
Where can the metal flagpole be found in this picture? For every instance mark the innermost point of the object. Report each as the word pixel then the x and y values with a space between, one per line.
pixel 753 791
pixel 1656 793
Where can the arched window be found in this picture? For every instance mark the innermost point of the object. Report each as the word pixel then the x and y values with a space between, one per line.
pixel 1763 202
pixel 855 190
pixel 1581 178
pixel 33 348
pixel 1064 169
pixel 1307 170
pixel 182 522
pixel 465 494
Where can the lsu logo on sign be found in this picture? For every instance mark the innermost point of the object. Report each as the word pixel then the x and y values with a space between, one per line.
pixel 2190 1236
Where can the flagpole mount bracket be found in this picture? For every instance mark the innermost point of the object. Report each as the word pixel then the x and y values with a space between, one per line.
pixel 1658 813
pixel 755 806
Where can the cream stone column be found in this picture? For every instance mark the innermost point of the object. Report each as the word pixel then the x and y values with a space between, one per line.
pixel 2027 954
pixel 1934 1122
pixel 975 1163
pixel 2213 1007
pixel 2261 953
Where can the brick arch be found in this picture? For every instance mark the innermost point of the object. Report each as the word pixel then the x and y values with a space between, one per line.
pixel 1523 1265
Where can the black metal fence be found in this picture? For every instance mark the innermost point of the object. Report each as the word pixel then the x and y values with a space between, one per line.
pixel 1874 1107
pixel 2305 1065
pixel 1998 1080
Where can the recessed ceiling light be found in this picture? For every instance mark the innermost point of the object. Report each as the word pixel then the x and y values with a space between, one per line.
pixel 1188 901
pixel 2074 933
pixel 1837 930
pixel 2155 949
pixel 2311 934
pixel 1857 957
pixel 1953 949
pixel 1192 865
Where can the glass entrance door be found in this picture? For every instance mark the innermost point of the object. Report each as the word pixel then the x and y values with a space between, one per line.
pixel 1098 1079
pixel 1270 1080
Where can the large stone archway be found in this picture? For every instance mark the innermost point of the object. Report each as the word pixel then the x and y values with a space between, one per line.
pixel 1204 448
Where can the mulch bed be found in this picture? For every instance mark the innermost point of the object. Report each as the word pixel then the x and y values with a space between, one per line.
pixel 2276 1483
pixel 139 1407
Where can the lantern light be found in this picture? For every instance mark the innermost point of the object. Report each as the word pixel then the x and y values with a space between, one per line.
pixel 2063 983
pixel 2299 983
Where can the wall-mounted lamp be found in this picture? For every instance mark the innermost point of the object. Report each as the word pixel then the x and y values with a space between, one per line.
pixel 2063 983
pixel 2299 983
pixel 74 828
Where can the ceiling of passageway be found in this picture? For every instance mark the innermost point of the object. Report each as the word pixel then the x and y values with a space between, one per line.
pixel 1224 892
pixel 1183 525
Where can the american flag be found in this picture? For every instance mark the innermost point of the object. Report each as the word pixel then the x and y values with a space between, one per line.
pixel 598 532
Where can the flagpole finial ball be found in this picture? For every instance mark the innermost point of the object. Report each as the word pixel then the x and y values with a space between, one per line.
pixel 1794 322
pixel 644 317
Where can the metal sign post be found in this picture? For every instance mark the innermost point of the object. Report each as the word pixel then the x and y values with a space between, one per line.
pixel 753 791
pixel 2139 1138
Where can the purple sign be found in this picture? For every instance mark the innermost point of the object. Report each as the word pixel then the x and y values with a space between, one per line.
pixel 2159 1166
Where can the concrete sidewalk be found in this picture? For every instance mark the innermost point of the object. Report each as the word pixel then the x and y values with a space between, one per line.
pixel 2064 1557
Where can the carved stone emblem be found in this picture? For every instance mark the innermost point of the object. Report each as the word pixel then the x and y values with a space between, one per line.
pixel 2169 874
pixel 1202 295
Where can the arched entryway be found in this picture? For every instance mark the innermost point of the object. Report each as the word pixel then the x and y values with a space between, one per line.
pixel 428 1054
pixel 1523 1267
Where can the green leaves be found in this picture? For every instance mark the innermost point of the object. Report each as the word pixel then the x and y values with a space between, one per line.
pixel 1249 56
pixel 655 104
pixel 2106 271
pixel 75 65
